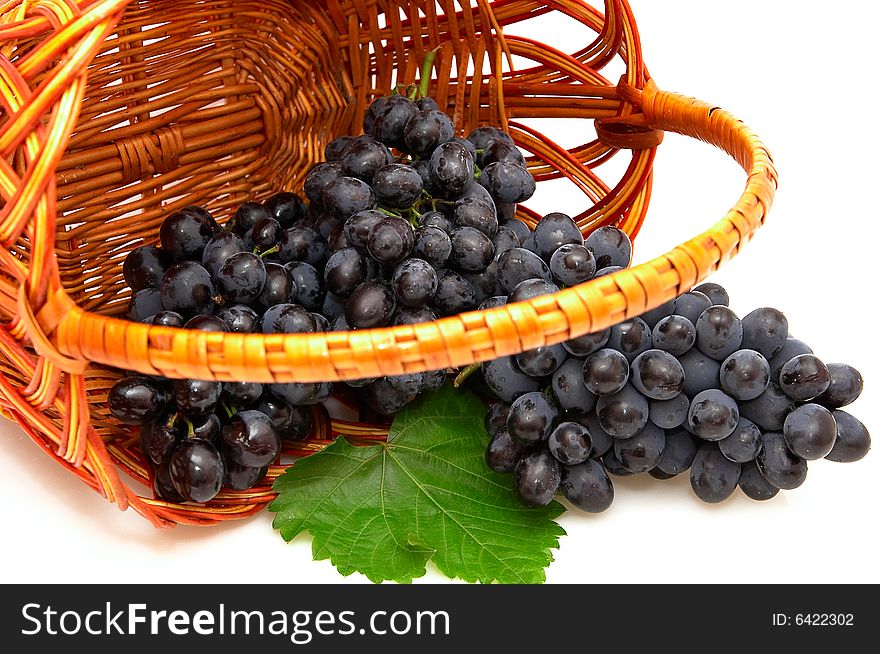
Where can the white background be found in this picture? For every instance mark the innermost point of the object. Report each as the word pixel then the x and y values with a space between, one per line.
pixel 802 75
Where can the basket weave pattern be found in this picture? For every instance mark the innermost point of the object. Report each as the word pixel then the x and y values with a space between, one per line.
pixel 116 113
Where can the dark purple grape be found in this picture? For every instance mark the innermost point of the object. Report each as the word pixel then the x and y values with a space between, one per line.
pixel 569 389
pixel 744 443
pixel 287 208
pixel 501 151
pixel 606 372
pixel 853 440
pixel 241 394
pixel 408 383
pixel 508 182
pixel 145 304
pixel 433 380
pixel 657 473
pixel 531 288
pixel 250 439
pixel 321 322
pixel 145 266
pixel 792 348
pixel 493 302
pixel 436 219
pixel 390 240
pixel 536 478
pixel 555 230
pixel 778 465
pixel 810 431
pixel 522 230
pixel 391 121
pixel 477 213
pixel 184 234
pixel 196 470
pixel 240 319
pixel 765 330
pixel 641 452
pixel 336 148
pixel 195 397
pixel 364 158
pixel 701 373
pixel 207 324
pixel 302 244
pixel 541 361
pixel 719 332
pixel 691 305
pixel 279 288
pixel 483 137
pixel 505 239
pixel 485 283
pixel 472 251
pixel 414 282
pixel 716 293
pixel 587 486
pixel 506 380
pixel 769 409
pixel 264 235
pixel 657 314
pixel 744 375
pixel 713 476
pixel 164 487
pixel 357 228
pixel 288 319
pixel 503 453
pixel 804 378
pixel 220 249
pixel 451 168
pixel 531 418
pixel 570 443
pixel 346 196
pixel 167 319
pixel 674 334
pixel 585 345
pixel 308 283
pixel 296 393
pixel 601 440
pixel 322 394
pixel 623 414
pixel 496 418
pixel 246 216
pixel 845 387
pixel 432 244
pixel 517 265
pixel 454 295
pixel 426 130
pixel 678 453
pixel 319 178
pixel 657 375
pixel 187 289
pixel 241 478
pixel 630 338
pixel 613 465
pixel 397 186
pixel 136 400
pixel 610 246
pixel 373 111
pixel 572 264
pixel 384 399
pixel 671 413
pixel 413 315
pixel 346 269
pixel 241 279
pixel 207 428
pixel 426 104
pixel 298 427
pixel 713 415
pixel 371 305
pixel 609 270
pixel 753 484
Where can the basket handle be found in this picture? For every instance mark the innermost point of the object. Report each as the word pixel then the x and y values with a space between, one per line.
pixel 467 338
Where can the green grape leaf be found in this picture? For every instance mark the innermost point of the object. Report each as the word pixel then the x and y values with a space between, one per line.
pixel 427 494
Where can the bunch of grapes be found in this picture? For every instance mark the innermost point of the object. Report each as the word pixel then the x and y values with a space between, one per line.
pixel 687 386
pixel 400 225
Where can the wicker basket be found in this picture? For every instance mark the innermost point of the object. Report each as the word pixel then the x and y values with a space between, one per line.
pixel 118 112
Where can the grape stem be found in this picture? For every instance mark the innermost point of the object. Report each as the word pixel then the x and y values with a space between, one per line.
pixel 266 253
pixel 461 378
pixel 425 73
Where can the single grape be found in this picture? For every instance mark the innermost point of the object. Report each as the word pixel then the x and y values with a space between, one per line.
pixel 432 244
pixel 810 431
pixel 536 478
pixel 346 269
pixel 454 295
pixel 713 415
pixel 288 319
pixel 501 151
pixel 346 196
pixel 678 453
pixel 246 216
pixel 529 289
pixel 241 279
pixel 569 389
pixel 701 373
pixel 286 208
pixel 195 397
pixel 631 338
pixel 505 239
pixel 503 453
pixel 572 264
pixel 570 443
pixel 506 380
pixel 426 130
pixel 145 266
pixel 765 330
pixel 407 383
pixel 163 486
pixel 372 113
pixel 145 304
pixel 241 394
pixel 778 465
pixel 384 399
pixel 744 375
pixel 517 265
pixel 610 247
pixel 643 451
pixel 657 375
pixel 845 387
pixel 364 158
pixel 371 305
pixel 392 119
pixel 485 283
pixel 691 305
pixel 184 234
pixel 613 465
pixel 531 418
pixel 241 478
pixel 159 438
pixel 207 324
pixel 713 476
pixel 196 470
pixel 413 315
pixel 601 440
pixel 472 251
pixel 207 428
pixel 298 427
pixel 397 186
pixel 522 230
pixel 583 346
pixel 477 213
pixel 769 409
pixel 483 137
pixel 541 361
pixel 319 178
pixel 300 243
pixel 753 484
pixel 296 394
pixel 279 288
pixel 555 230
pixel 451 167
pixel 623 414
pixel 308 285
pixel 669 414
pixel 853 440
pixel 436 219
pixel 719 332
pixel 587 486
pixel 744 444
pixel 496 417
pixel 790 349
pixel 390 240
pixel 674 334
pixel 264 235
pixel 250 439
pixel 606 372
pixel 335 149
pixel 187 289
pixel 167 319
pixel 804 378
pixel 240 318
pixel 654 316
pixel 426 103
pixel 716 293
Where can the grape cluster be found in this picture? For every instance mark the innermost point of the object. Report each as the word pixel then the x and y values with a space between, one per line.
pixel 400 225
pixel 688 386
